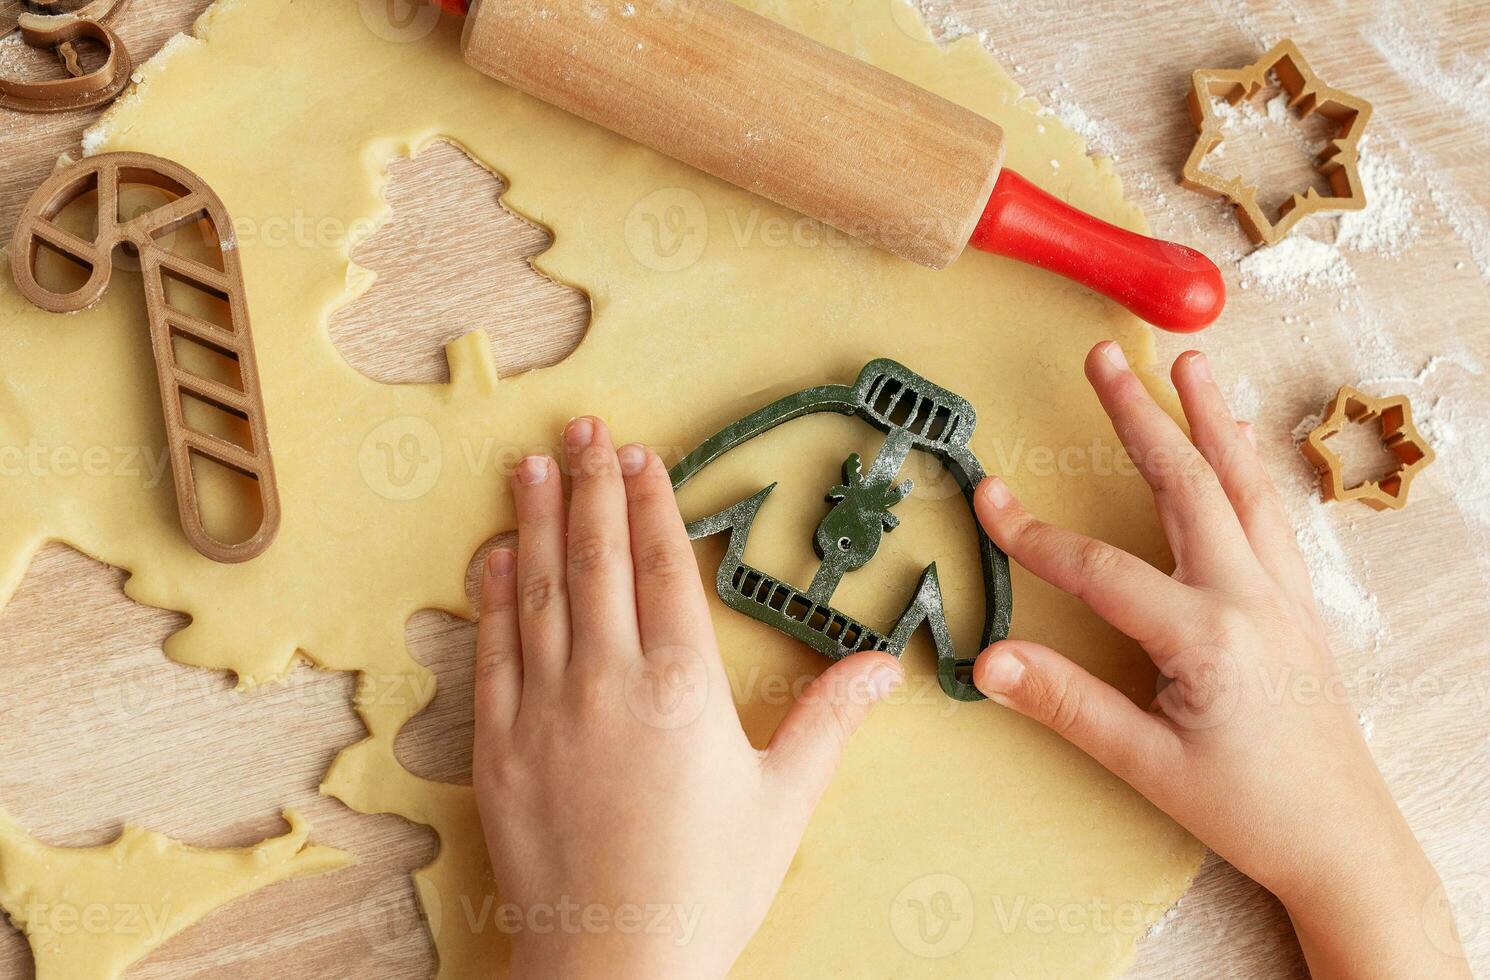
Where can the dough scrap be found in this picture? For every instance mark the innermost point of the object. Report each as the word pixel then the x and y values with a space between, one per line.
pixel 955 835
pixel 93 911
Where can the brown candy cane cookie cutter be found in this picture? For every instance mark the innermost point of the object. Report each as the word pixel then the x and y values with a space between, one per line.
pixel 192 202
pixel 1307 95
pixel 1398 433
pixel 42 24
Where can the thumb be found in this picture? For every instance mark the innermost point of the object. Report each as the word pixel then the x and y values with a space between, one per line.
pixel 1090 714
pixel 809 742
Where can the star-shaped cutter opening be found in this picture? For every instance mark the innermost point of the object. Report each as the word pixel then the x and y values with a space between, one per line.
pixel 1337 163
pixel 1398 434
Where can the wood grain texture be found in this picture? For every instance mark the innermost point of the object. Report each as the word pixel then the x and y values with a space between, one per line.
pixel 90 702
pixel 742 98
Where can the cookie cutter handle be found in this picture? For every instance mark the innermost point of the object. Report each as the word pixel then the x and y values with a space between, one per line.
pixel 1169 285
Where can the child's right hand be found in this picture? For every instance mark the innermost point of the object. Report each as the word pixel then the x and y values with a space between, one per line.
pixel 1253 745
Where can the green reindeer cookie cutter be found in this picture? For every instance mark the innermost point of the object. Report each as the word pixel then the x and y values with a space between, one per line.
pixel 914 414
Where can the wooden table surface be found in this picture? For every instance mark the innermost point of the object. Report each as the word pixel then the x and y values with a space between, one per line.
pixel 89 702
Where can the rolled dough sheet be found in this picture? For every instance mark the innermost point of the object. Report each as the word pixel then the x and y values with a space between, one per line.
pixel 957 838
pixel 92 911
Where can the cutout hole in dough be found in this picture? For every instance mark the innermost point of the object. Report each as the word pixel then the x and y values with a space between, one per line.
pixel 451 259
pixel 109 730
pixel 106 730
pixel 437 743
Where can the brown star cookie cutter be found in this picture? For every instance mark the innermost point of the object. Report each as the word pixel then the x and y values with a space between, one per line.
pixel 1307 94
pixel 43 24
pixel 237 393
pixel 1400 436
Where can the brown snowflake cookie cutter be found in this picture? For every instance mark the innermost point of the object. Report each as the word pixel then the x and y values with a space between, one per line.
pixel 62 31
pixel 1338 163
pixel 193 203
pixel 1400 436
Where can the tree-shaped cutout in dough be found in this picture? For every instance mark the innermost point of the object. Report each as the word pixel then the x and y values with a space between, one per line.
pixel 111 733
pixel 437 743
pixel 451 259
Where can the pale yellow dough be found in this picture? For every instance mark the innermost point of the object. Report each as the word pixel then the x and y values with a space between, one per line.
pixel 92 911
pixel 958 840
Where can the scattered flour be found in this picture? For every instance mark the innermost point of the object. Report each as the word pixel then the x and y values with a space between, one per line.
pixel 1439 392
pixel 1442 407
pixel 1275 116
pixel 1237 13
pixel 1368 725
pixel 1244 399
pixel 944 27
pixel 1463 83
pixel 1163 921
pixel 1343 599
pixel 1306 425
pixel 1386 226
pixel 1272 125
pixel 1376 353
pixel 1295 264
pixel 1468 220
pixel 1389 222
pixel 13 54
pixel 1079 121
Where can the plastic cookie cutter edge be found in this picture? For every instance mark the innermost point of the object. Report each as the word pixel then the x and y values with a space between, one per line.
pixel 61 31
pixel 194 201
pixel 914 414
pixel 1338 163
pixel 1399 435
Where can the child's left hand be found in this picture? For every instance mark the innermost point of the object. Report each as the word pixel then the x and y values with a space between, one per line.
pixel 633 829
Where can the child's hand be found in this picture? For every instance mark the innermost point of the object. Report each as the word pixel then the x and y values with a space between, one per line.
pixel 633 830
pixel 1253 745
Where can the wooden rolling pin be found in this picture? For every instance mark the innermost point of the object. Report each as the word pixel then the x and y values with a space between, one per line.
pixel 762 107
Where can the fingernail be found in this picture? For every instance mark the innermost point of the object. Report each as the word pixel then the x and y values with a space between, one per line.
pixel 1249 431
pixel 579 432
pixel 1200 365
pixel 501 562
pixel 1003 673
pixel 533 470
pixel 1115 356
pixel 997 492
pixel 633 459
pixel 884 679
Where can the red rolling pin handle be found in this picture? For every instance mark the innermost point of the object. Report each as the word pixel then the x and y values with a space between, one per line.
pixel 1168 285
